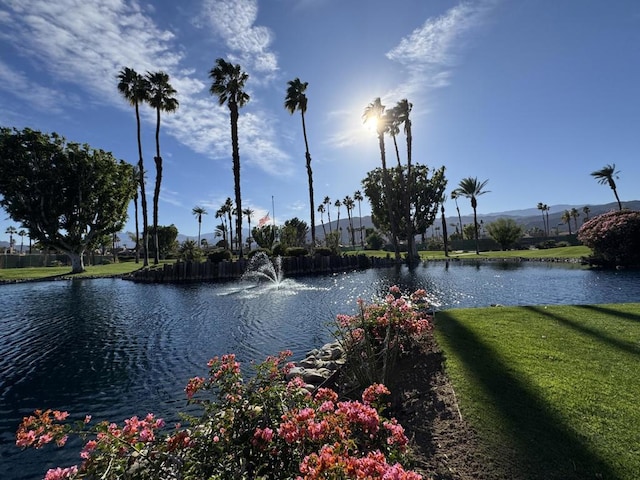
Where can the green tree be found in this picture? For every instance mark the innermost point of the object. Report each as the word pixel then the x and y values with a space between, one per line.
pixel 135 89
pixel 264 236
pixel 505 231
pixel 22 233
pixel 296 99
pixel 327 202
pixel 321 212
pixel 338 204
pixel 198 212
pixel 167 241
pixel 190 251
pixel 228 86
pixel 67 195
pixel 606 176
pixel 586 210
pixel 471 188
pixel 454 197
pixel 294 233
pixel 374 112
pixel 162 99
pixel 425 197
pixel 543 208
pixel 349 204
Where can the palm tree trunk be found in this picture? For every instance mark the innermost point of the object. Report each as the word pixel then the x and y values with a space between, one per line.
pixel 143 195
pixel 156 192
pixel 236 172
pixel 475 224
pixel 135 206
pixel 615 192
pixel 387 192
pixel 312 207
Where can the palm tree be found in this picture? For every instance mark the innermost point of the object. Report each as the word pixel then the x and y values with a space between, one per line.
pixel 566 218
pixel 297 100
pixel 221 213
pixel 161 97
pixel 338 204
pixel 136 239
pixel 135 89
pixel 321 212
pixel 402 112
pixel 470 188
pixel 375 112
pixel 359 198
pixel 575 214
pixel 546 210
pixel 454 197
pixel 605 176
pixel 249 213
pixel 327 202
pixel 22 234
pixel 199 212
pixel 586 210
pixel 228 86
pixel 11 230
pixel 542 207
pixel 349 204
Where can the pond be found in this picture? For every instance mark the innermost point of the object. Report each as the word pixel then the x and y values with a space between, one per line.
pixel 114 349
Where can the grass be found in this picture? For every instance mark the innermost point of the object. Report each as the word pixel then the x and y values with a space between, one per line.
pixel 46 273
pixel 551 390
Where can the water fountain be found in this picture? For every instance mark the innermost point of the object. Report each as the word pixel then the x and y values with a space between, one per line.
pixel 261 267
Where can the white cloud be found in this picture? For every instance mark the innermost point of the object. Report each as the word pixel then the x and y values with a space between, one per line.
pixel 85 44
pixel 430 52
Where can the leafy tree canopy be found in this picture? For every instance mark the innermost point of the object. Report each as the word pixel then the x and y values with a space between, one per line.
pixel 505 231
pixel 66 194
pixel 426 196
pixel 294 233
pixel 167 240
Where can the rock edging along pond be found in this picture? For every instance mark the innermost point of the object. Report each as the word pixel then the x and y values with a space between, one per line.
pixel 187 272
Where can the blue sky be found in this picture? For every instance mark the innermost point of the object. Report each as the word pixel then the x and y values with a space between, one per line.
pixel 530 94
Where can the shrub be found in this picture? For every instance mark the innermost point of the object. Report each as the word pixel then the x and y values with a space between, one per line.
pixel 264 428
pixel 296 252
pixel 614 238
pixel 220 255
pixel 375 336
pixel 278 250
pixel 253 253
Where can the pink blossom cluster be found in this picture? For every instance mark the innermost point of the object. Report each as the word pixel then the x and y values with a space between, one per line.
pixel 613 236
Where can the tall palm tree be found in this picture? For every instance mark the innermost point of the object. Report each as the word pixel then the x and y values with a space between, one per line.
pixel 542 207
pixel 22 233
pixel 546 210
pixel 327 202
pixel 606 176
pixel 575 214
pixel 357 196
pixel 566 218
pixel 375 112
pixel 297 100
pixel 471 188
pixel 136 239
pixel 221 213
pixel 586 210
pixel 454 197
pixel 162 98
pixel 11 230
pixel 248 212
pixel 199 212
pixel 135 89
pixel 321 212
pixel 338 204
pixel 349 204
pixel 402 112
pixel 228 86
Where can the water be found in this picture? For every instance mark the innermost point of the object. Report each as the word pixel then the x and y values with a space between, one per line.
pixel 114 349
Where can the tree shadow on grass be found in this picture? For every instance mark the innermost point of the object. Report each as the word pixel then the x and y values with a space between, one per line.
pixel 628 347
pixel 634 317
pixel 543 446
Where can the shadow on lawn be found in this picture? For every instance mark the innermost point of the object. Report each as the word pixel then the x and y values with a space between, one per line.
pixel 634 317
pixel 544 447
pixel 628 347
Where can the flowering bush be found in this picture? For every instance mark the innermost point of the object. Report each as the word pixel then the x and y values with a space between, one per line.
pixel 614 237
pixel 262 428
pixel 375 336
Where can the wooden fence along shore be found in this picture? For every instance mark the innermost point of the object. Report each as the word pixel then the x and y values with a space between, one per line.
pixel 187 272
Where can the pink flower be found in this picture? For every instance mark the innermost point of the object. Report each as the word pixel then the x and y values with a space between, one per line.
pixel 60 473
pixel 60 416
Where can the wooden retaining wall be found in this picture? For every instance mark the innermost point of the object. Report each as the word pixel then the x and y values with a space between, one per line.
pixel 189 272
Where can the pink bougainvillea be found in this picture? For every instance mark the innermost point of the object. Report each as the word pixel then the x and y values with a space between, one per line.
pixel 614 237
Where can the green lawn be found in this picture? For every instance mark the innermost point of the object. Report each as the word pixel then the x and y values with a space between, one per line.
pixel 42 273
pixel 553 390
